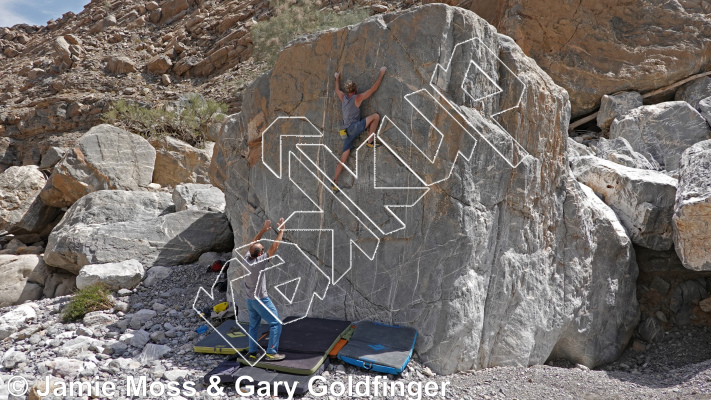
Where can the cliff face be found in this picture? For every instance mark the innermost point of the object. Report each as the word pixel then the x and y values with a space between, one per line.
pixel 466 224
pixel 592 47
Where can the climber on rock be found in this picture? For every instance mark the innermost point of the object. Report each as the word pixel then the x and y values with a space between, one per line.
pixel 353 125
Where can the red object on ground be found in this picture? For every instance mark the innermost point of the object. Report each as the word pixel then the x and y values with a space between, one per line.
pixel 217 266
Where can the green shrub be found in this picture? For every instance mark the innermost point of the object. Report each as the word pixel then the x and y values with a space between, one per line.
pixel 188 120
pixel 293 18
pixel 91 298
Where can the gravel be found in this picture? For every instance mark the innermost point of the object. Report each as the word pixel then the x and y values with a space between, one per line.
pixel 158 326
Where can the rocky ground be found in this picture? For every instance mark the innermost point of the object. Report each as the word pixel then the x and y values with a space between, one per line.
pixel 151 332
pixel 59 78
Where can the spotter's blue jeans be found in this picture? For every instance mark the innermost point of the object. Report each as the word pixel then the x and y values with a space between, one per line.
pixel 257 312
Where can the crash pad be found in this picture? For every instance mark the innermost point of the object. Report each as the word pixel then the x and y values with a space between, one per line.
pixel 379 347
pixel 306 343
pixel 231 370
pixel 228 337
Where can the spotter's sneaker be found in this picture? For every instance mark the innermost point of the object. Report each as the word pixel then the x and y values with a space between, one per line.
pixel 336 190
pixel 274 357
pixel 373 145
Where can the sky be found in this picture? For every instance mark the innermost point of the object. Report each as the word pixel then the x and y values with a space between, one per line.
pixel 36 12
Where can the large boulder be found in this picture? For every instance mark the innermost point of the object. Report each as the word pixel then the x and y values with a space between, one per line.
pixel 111 226
pixel 620 151
pixel 178 162
pixel 493 249
pixel 24 277
pixel 616 105
pixel 694 91
pixel 661 132
pixel 592 48
pixel 642 199
pixel 105 157
pixel 195 196
pixel 21 208
pixel 692 211
pixel 605 277
pixel 121 275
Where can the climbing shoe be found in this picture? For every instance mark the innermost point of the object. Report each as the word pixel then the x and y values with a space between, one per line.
pixel 336 190
pixel 274 357
pixel 373 144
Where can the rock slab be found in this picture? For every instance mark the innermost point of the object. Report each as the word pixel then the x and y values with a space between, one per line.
pixel 105 157
pixel 122 275
pixel 111 226
pixel 661 132
pixel 593 48
pixel 616 105
pixel 621 152
pixel 24 278
pixel 642 199
pixel 194 196
pixel 21 208
pixel 692 211
pixel 694 91
pixel 178 162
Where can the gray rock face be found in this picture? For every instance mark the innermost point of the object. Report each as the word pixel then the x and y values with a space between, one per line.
pixel 112 226
pixel 604 280
pixel 694 91
pixel 105 157
pixel 642 199
pixel 504 259
pixel 621 152
pixel 704 108
pixel 194 196
pixel 122 275
pixel 692 231
pixel 23 278
pixel 21 209
pixel 178 162
pixel 616 105
pixel 52 156
pixel 661 132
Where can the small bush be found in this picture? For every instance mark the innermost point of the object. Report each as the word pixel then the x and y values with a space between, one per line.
pixel 187 121
pixel 293 18
pixel 91 298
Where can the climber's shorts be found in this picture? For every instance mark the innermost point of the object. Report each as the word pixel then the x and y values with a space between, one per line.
pixel 353 131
